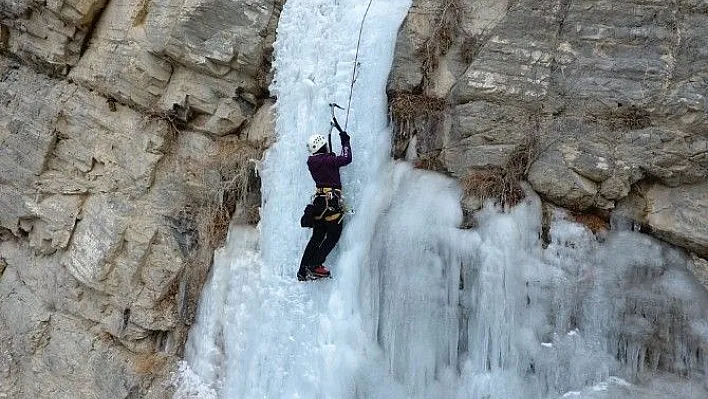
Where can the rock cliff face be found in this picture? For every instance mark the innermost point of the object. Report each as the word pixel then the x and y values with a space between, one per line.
pixel 129 133
pixel 606 100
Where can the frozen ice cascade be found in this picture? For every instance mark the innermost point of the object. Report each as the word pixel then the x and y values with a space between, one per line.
pixel 419 308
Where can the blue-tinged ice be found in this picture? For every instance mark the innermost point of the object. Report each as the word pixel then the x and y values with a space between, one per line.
pixel 419 308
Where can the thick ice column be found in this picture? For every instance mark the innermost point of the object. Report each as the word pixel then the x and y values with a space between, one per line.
pixel 414 276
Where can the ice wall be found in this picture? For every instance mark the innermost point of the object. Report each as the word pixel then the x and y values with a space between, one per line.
pixel 418 308
pixel 259 332
pixel 582 314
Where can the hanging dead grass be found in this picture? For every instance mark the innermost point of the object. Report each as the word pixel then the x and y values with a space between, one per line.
pixel 594 222
pixel 502 184
pixel 213 204
pixel 629 118
pixel 430 162
pixel 493 183
pixel 236 161
pixel 445 29
pixel 412 113
pixel 408 106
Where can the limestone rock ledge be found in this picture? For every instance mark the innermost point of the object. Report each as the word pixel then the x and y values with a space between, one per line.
pixel 677 215
pixel 612 93
pixel 50 36
pixel 108 221
pixel 129 137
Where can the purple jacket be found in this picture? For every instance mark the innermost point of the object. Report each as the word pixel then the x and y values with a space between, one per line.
pixel 324 167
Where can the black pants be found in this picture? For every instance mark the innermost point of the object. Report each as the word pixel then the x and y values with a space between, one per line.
pixel 324 237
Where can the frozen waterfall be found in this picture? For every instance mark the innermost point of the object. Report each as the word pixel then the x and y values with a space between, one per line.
pixel 418 308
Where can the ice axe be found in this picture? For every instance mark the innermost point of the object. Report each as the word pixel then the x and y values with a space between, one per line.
pixel 332 106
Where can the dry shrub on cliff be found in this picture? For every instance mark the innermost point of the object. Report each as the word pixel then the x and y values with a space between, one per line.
pixel 445 28
pixel 219 184
pixel 431 161
pixel 593 221
pixel 236 162
pixel 413 111
pixel 502 184
pixel 469 49
pixel 520 160
pixel 408 106
pixel 149 364
pixel 484 183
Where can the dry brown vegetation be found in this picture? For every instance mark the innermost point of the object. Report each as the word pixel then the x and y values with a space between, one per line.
pixel 218 185
pixel 492 182
pixel 406 106
pixel 149 364
pixel 413 112
pixel 215 204
pixel 502 184
pixel 430 162
pixel 469 49
pixel 235 162
pixel 225 185
pixel 592 221
pixel 445 28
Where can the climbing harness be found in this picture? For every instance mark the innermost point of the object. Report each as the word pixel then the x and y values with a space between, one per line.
pixel 334 207
pixel 338 211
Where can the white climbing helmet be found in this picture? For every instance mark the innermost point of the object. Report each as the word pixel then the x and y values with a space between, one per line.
pixel 315 142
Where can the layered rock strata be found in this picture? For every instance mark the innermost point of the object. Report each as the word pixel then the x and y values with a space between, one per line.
pixel 129 131
pixel 612 96
pixel 129 136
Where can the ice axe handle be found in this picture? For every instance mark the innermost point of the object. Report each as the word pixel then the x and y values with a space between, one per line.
pixel 335 124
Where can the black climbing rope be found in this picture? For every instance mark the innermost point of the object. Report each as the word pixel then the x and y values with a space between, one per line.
pixel 356 64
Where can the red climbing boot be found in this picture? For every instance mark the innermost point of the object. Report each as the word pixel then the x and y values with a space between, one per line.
pixel 320 271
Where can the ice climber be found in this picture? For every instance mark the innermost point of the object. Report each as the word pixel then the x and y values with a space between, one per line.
pixel 325 213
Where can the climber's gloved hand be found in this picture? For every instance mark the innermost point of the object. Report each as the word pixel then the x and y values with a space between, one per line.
pixel 335 124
